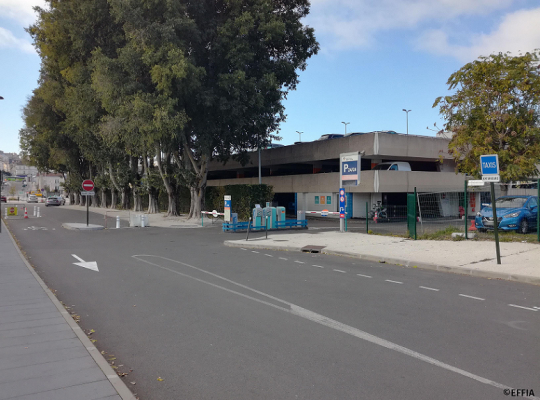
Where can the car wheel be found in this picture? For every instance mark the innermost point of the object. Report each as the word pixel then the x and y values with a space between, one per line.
pixel 524 226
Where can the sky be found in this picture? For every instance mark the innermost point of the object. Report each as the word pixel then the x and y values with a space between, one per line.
pixel 377 58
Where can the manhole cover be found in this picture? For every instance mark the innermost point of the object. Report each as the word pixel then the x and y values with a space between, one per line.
pixel 312 249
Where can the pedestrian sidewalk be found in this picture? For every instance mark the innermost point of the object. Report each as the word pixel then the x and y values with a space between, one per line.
pixel 519 261
pixel 44 355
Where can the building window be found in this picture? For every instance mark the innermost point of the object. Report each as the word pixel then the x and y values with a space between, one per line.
pixel 316 199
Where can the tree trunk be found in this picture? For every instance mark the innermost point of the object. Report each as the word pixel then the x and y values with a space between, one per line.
pixel 114 198
pixel 103 193
pixel 171 195
pixel 137 201
pixel 153 202
pixel 75 199
pixel 199 187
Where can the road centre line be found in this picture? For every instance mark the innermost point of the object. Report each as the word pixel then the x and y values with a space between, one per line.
pixel 322 320
pixel 253 251
pixel 525 308
pixel 318 266
pixel 282 258
pixel 338 270
pixel 471 297
pixel 428 288
pixel 269 255
pixel 300 262
pixel 365 276
pixel 388 280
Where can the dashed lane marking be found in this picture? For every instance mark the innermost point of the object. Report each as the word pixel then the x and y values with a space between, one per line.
pixel 365 276
pixel 472 297
pixel 525 308
pixel 299 262
pixel 317 266
pixel 282 258
pixel 241 248
pixel 428 288
pixel 269 255
pixel 253 251
pixel 388 280
pixel 338 270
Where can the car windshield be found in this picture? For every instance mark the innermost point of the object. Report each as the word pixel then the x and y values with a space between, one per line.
pixel 382 167
pixel 511 202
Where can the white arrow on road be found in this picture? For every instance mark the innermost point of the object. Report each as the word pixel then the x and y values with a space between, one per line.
pixel 90 264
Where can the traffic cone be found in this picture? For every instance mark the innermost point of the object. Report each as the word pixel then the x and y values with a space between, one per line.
pixel 472 227
pixel 25 213
pixel 376 217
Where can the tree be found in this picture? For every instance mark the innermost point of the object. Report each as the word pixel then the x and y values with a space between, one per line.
pixel 495 110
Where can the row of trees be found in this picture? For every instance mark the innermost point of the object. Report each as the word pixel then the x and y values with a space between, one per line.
pixel 139 95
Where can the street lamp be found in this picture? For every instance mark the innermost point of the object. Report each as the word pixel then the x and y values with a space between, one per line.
pixel 299 135
pixel 345 123
pixel 407 111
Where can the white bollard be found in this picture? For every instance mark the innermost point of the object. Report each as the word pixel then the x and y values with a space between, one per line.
pixel 6 212
pixel 143 218
pixel 35 212
pixel 38 212
pixel 118 222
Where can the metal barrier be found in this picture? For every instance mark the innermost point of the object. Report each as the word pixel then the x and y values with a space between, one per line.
pixel 214 213
pixel 19 210
pixel 280 225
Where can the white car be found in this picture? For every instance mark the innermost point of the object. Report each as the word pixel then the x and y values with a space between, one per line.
pixel 393 166
pixel 32 199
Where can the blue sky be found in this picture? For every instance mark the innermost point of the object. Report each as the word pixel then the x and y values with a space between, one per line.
pixel 377 57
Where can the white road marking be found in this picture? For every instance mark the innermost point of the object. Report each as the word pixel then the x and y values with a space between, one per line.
pixel 428 288
pixel 253 251
pixel 241 248
pixel 300 262
pixel 86 264
pixel 472 297
pixel 318 266
pixel 338 270
pixel 282 258
pixel 388 280
pixel 269 255
pixel 325 321
pixel 365 276
pixel 525 308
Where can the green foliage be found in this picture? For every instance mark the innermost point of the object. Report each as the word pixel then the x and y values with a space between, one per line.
pixel 243 198
pixel 495 110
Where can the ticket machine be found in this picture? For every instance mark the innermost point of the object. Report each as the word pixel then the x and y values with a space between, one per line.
pixel 258 217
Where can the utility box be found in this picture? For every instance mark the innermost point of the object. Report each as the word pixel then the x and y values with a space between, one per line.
pixel 270 212
pixel 258 217
pixel 300 215
pixel 234 218
pixel 280 214
pixel 135 219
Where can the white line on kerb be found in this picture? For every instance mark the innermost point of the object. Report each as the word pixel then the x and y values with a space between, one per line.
pixel 338 270
pixel 365 276
pixel 428 288
pixel 472 297
pixel 282 258
pixel 321 319
pixel 269 255
pixel 300 262
pixel 388 280
pixel 318 266
pixel 525 308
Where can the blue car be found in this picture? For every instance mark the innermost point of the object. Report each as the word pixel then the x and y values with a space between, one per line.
pixel 514 213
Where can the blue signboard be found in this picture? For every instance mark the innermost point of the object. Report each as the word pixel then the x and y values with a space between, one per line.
pixel 341 203
pixel 349 170
pixel 349 174
pixel 490 164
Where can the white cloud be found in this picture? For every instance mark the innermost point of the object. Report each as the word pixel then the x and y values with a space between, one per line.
pixel 518 32
pixel 8 40
pixel 354 23
pixel 20 10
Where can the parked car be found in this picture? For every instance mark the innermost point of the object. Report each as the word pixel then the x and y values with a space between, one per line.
pixel 330 136
pixel 32 199
pixel 514 213
pixel 53 201
pixel 4 199
pixel 393 166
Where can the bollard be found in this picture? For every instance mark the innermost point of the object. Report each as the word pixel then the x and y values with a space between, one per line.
pixel 35 211
pixel 249 225
pixel 118 222
pixel 25 213
pixel 143 217
pixel 266 227
pixel 6 212
pixel 38 212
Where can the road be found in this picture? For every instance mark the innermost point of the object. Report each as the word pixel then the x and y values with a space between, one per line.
pixel 215 322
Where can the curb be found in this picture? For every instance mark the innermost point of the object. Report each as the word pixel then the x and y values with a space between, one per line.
pixel 119 385
pixel 402 263
pixel 82 227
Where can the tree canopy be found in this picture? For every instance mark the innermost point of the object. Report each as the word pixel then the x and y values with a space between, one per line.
pixel 495 110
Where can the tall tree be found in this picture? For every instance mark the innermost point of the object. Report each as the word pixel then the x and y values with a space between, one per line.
pixel 495 110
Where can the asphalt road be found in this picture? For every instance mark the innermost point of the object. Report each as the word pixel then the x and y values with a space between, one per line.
pixel 225 323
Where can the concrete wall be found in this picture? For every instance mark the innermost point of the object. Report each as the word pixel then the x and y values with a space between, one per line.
pixel 371 181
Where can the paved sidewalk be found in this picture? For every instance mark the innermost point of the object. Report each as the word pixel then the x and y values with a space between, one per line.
pixel 44 355
pixel 519 261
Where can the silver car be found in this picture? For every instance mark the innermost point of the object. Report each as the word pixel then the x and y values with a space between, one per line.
pixel 53 201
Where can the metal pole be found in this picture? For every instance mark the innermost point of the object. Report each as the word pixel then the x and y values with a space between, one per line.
pixel 466 206
pixel 266 227
pixel 495 222
pixel 260 178
pixel 367 218
pixel 87 210
pixel 1 183
pixel 249 224
pixel 415 217
pixel 202 219
pixel 538 210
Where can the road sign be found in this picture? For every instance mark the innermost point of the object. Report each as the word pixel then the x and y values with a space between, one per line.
pixel 215 213
pixel 90 193
pixel 490 164
pixel 349 169
pixel 475 183
pixel 342 203
pixel 491 178
pixel 88 185
pixel 324 213
pixel 12 211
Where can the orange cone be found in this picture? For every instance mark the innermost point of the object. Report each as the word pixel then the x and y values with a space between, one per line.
pixel 472 227
pixel 376 217
pixel 25 213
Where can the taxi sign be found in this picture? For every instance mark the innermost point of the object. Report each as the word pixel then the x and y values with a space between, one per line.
pixel 490 164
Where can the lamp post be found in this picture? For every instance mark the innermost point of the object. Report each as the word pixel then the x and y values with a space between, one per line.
pixel 1 183
pixel 345 123
pixel 407 111
pixel 299 135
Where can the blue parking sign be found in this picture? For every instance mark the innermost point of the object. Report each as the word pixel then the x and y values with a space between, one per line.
pixel 342 203
pixel 489 164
